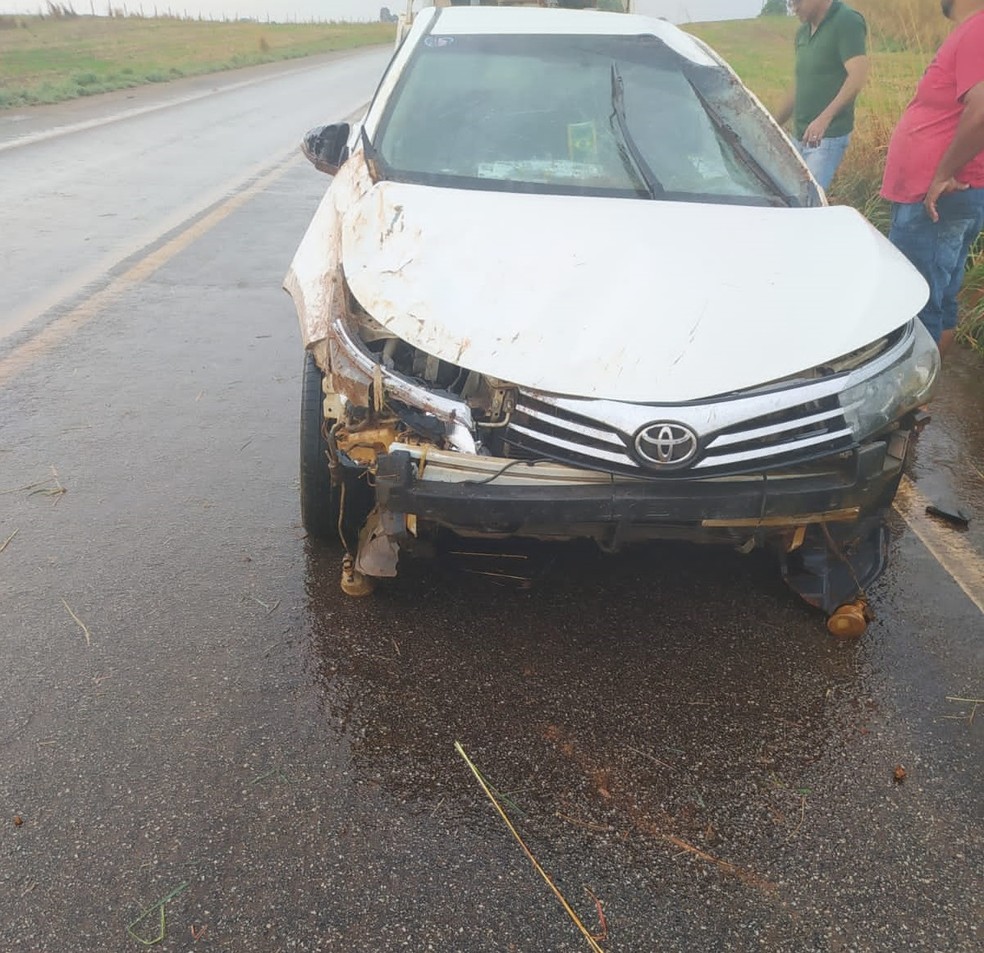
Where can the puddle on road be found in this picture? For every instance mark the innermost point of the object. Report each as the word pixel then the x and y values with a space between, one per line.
pixel 670 699
pixel 668 724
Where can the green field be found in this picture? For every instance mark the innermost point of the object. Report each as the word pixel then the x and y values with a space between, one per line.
pixel 53 58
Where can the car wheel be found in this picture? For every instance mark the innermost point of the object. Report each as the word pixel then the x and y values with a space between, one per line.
pixel 320 498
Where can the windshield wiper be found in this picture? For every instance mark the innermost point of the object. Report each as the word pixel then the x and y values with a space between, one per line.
pixel 627 148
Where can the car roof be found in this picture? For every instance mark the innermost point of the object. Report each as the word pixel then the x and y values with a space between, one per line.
pixel 462 20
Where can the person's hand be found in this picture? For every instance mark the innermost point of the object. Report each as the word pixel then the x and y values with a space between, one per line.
pixel 941 187
pixel 816 131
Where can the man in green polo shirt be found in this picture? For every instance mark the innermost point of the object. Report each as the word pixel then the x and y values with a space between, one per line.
pixel 831 69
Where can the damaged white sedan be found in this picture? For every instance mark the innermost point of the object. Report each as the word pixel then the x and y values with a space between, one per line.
pixel 570 280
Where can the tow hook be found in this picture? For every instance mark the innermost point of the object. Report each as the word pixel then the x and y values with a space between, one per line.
pixel 355 583
pixel 850 620
pixel 833 568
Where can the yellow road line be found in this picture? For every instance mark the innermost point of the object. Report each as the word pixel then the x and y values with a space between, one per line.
pixel 55 332
pixel 951 550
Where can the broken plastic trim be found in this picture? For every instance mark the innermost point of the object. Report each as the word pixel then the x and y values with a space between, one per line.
pixel 455 414
pixel 838 562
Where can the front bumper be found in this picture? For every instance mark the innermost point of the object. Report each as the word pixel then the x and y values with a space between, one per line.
pixel 477 495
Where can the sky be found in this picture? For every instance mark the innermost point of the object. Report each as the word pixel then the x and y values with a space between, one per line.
pixel 679 11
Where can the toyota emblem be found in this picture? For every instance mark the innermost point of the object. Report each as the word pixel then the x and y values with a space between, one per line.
pixel 666 444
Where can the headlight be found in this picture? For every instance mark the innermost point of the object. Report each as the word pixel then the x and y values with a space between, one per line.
pixel 871 404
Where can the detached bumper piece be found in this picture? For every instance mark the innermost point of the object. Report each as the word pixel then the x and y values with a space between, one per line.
pixel 836 564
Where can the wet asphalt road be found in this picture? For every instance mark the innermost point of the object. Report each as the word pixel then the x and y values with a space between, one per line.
pixel 670 730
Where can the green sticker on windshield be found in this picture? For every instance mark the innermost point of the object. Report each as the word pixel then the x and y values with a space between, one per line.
pixel 582 142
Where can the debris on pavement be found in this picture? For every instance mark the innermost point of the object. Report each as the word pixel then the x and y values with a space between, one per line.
pixel 154 908
pixel 82 625
pixel 947 508
pixel 42 487
pixel 602 933
pixel 6 542
pixel 269 608
pixel 592 942
pixel 281 777
pixel 973 702
pixel 899 774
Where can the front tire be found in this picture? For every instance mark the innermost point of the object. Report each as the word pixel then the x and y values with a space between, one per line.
pixel 320 498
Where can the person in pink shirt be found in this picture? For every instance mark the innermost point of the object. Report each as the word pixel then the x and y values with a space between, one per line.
pixel 934 172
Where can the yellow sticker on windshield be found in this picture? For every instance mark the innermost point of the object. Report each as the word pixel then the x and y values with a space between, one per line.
pixel 582 142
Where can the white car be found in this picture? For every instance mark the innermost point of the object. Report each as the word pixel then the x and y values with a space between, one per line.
pixel 571 280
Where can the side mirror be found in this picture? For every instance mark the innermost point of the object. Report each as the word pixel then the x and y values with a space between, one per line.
pixel 325 146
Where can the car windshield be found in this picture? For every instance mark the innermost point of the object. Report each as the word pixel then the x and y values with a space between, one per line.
pixel 602 115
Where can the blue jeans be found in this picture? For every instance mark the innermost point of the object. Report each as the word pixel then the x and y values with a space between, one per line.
pixel 824 159
pixel 939 250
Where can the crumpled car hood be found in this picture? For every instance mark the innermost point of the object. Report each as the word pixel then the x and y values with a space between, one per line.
pixel 643 301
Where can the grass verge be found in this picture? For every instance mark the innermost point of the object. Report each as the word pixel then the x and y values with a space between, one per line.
pixel 49 59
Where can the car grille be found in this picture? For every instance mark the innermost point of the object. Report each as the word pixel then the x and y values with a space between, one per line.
pixel 545 430
pixel 542 426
